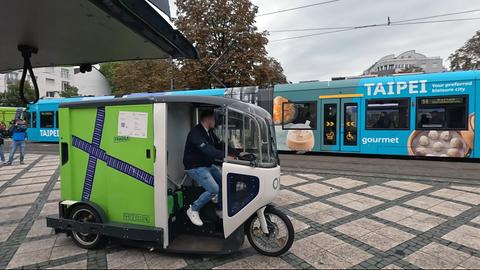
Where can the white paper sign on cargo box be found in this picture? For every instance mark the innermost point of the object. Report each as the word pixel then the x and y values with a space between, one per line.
pixel 133 124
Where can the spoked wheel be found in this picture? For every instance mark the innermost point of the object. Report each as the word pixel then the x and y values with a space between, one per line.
pixel 280 233
pixel 84 213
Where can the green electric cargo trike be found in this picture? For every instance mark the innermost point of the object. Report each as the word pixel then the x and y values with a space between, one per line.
pixel 122 176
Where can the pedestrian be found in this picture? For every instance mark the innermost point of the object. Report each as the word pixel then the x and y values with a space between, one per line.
pixel 18 132
pixel 2 156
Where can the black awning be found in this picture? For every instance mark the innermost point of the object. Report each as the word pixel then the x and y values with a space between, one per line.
pixel 74 32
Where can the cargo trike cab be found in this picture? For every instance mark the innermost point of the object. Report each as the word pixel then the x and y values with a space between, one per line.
pixel 123 179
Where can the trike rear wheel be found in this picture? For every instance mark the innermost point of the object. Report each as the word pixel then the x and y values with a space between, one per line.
pixel 280 234
pixel 85 213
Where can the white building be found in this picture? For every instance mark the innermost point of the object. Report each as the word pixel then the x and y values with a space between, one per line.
pixel 392 64
pixel 52 80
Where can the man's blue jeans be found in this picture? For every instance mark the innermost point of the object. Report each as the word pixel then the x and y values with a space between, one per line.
pixel 2 157
pixel 13 148
pixel 210 178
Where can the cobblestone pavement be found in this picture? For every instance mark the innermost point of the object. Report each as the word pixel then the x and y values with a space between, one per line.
pixel 341 222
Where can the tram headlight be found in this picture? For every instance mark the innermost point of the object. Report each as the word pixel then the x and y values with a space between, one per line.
pixel 276 183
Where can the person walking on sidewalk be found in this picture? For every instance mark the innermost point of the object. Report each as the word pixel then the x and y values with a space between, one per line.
pixel 2 141
pixel 18 131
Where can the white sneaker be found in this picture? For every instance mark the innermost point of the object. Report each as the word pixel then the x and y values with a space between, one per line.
pixel 219 214
pixel 194 217
pixel 215 199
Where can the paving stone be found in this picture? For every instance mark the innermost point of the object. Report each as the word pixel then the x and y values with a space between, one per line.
pixel 445 253
pixel 471 263
pixel 16 200
pixel 28 258
pixel 22 189
pixel 465 235
pixel 298 226
pixel 50 208
pixel 288 180
pixel 474 189
pixel 39 228
pixel 38 168
pixel 350 253
pixel 54 196
pixel 392 266
pixel 6 231
pixel 75 265
pixel 407 185
pixel 257 262
pixel 427 261
pixel 156 260
pixel 458 195
pixel 310 176
pixel 316 189
pixel 66 251
pixel 343 182
pixel 424 202
pixel 384 192
pixel 8 176
pixel 129 257
pixel 286 197
pixel 421 222
pixel 37 245
pixel 449 208
pixel 13 213
pixel 476 220
pixel 34 180
pixel 354 201
pixel 40 173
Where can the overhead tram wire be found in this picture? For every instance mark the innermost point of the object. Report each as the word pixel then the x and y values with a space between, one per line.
pixel 366 26
pixel 297 8
pixel 375 25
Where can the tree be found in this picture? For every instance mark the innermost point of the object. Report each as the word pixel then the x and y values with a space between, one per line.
pixel 468 56
pixel 216 27
pixel 140 76
pixel 69 91
pixel 11 97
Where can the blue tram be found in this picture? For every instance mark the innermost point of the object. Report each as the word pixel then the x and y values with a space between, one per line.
pixel 42 118
pixel 430 115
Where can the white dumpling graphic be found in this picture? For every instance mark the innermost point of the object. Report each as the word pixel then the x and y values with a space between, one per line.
pixel 445 135
pixel 456 143
pixel 433 135
pixel 453 152
pixel 421 151
pixel 438 147
pixel 424 141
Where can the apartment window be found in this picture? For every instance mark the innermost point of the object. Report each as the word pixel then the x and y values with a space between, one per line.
pixel 65 73
pixel 50 94
pixel 65 85
pixel 448 112
pixel 50 83
pixel 386 114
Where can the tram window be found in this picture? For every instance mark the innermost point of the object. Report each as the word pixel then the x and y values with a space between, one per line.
pixel 57 122
pixel 350 120
pixel 34 120
pixel 386 114
pixel 442 113
pixel 299 115
pixel 47 119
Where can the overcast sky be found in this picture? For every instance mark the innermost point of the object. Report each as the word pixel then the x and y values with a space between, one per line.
pixel 350 53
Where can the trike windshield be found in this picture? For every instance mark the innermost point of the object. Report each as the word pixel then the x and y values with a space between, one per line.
pixel 248 136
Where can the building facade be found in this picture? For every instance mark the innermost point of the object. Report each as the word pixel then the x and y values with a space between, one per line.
pixel 392 64
pixel 53 80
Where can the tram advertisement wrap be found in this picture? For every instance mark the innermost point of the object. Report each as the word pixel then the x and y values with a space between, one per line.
pixel 430 115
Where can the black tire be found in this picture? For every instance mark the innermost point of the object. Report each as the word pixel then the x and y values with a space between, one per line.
pixel 85 213
pixel 271 211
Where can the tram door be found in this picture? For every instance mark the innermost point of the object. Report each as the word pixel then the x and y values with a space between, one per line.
pixel 339 122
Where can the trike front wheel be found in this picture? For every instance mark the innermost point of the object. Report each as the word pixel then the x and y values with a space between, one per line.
pixel 280 234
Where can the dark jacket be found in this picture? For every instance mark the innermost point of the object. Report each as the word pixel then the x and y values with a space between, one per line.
pixel 201 148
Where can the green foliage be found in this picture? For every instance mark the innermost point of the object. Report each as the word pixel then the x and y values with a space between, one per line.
pixel 468 56
pixel 69 91
pixel 11 97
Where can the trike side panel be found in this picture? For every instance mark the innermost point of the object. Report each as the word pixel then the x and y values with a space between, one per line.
pixel 123 171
